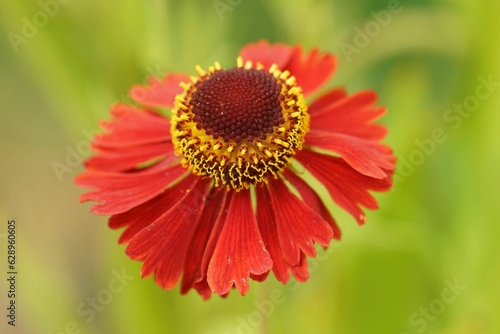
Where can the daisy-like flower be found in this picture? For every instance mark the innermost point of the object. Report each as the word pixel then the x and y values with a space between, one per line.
pixel 211 195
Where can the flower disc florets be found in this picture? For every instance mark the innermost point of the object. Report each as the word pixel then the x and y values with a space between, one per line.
pixel 239 125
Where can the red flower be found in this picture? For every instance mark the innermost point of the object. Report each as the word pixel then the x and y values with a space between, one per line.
pixel 206 194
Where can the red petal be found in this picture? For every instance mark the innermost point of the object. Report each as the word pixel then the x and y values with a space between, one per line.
pixel 269 232
pixel 240 250
pixel 326 100
pixel 347 187
pixel 367 157
pixel 351 115
pixel 202 285
pixel 159 92
pixel 267 54
pixel 203 288
pixel 297 224
pixel 311 71
pixel 120 192
pixel 336 101
pixel 261 277
pixel 143 215
pixel 118 160
pixel 311 198
pixel 194 271
pixel 164 244
pixel 132 127
pixel 356 125
pixel 301 271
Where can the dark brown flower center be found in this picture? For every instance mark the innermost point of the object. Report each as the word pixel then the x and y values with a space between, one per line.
pixel 239 126
pixel 238 104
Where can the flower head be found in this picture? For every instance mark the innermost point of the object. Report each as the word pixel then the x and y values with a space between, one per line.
pixel 212 194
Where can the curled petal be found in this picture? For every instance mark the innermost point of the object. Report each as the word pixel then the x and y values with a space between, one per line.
pixel 193 269
pixel 347 187
pixel 261 277
pixel 301 270
pixel 141 216
pixel 367 157
pixel 164 244
pixel 297 228
pixel 159 92
pixel 240 250
pixel 311 198
pixel 201 285
pixel 269 232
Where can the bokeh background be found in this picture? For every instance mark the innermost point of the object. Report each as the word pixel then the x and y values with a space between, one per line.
pixel 437 228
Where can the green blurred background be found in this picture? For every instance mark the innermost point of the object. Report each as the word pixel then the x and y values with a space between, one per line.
pixel 438 227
